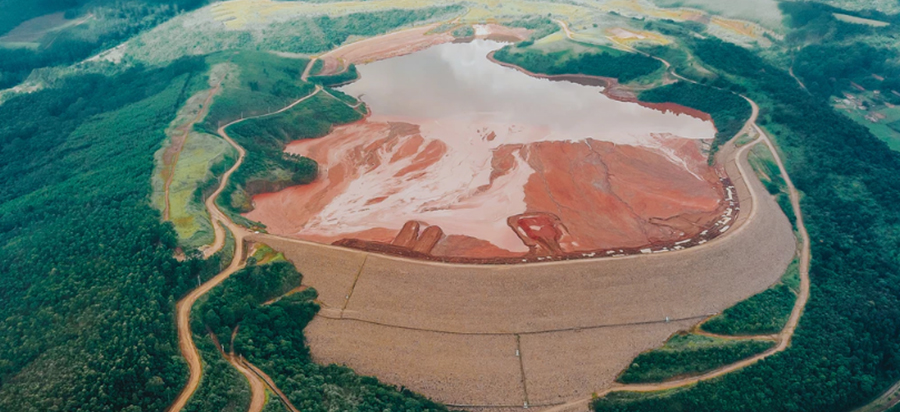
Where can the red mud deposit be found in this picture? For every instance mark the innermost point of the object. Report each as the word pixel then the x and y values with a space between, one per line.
pixel 471 161
pixel 393 185
pixel 382 47
pixel 408 41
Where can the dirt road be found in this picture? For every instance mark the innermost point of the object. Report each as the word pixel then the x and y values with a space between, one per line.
pixel 887 400
pixel 784 337
pixel 183 308
pixel 192 356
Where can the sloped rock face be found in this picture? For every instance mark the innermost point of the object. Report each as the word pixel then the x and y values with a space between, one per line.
pixel 475 190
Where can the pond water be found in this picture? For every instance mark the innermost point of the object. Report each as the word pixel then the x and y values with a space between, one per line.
pixel 494 162
pixel 456 80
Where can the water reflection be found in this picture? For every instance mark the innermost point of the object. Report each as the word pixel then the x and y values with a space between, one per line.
pixel 458 81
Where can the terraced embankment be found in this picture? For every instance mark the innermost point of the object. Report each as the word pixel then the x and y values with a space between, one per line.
pixel 453 332
pixel 538 335
pixel 542 335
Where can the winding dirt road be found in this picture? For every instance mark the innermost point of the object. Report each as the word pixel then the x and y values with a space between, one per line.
pixel 183 308
pixel 192 356
pixel 784 337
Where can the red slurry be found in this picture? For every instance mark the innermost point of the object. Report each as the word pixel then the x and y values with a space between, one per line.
pixel 574 197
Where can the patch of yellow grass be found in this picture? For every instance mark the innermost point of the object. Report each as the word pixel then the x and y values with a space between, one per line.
pixel 237 14
pixel 265 254
pixel 740 27
pixel 628 37
pixel 200 153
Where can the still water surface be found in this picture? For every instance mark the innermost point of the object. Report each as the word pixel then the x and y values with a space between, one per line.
pixel 458 81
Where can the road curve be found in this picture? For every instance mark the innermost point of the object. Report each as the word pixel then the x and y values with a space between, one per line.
pixel 268 382
pixel 783 338
pixel 257 386
pixel 219 219
pixel 191 354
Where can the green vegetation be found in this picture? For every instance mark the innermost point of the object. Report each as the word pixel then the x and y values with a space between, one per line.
pixel 769 174
pixel 686 355
pixel 195 166
pixel 110 24
pixel 830 69
pixel 464 32
pixel 602 62
pixel 258 84
pixel 541 27
pixel 847 337
pixel 225 307
pixel 762 314
pixel 729 111
pixel 265 254
pixel 320 33
pixel 271 337
pixel 339 79
pixel 222 387
pixel 306 34
pixel 837 56
pixel 688 66
pixel 273 404
pixel 87 278
pixel 266 167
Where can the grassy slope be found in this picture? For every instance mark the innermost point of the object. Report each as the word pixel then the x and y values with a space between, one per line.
pixel 686 355
pixel 188 213
pixel 767 170
pixel 762 314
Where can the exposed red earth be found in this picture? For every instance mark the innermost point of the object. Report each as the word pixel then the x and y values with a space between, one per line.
pixel 471 189
pixel 545 199
pixel 407 41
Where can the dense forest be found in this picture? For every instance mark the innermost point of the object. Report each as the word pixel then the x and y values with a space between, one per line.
pixel 117 22
pixel 686 355
pixel 729 111
pixel 848 340
pixel 604 63
pixel 87 275
pixel 834 56
pixel 88 279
